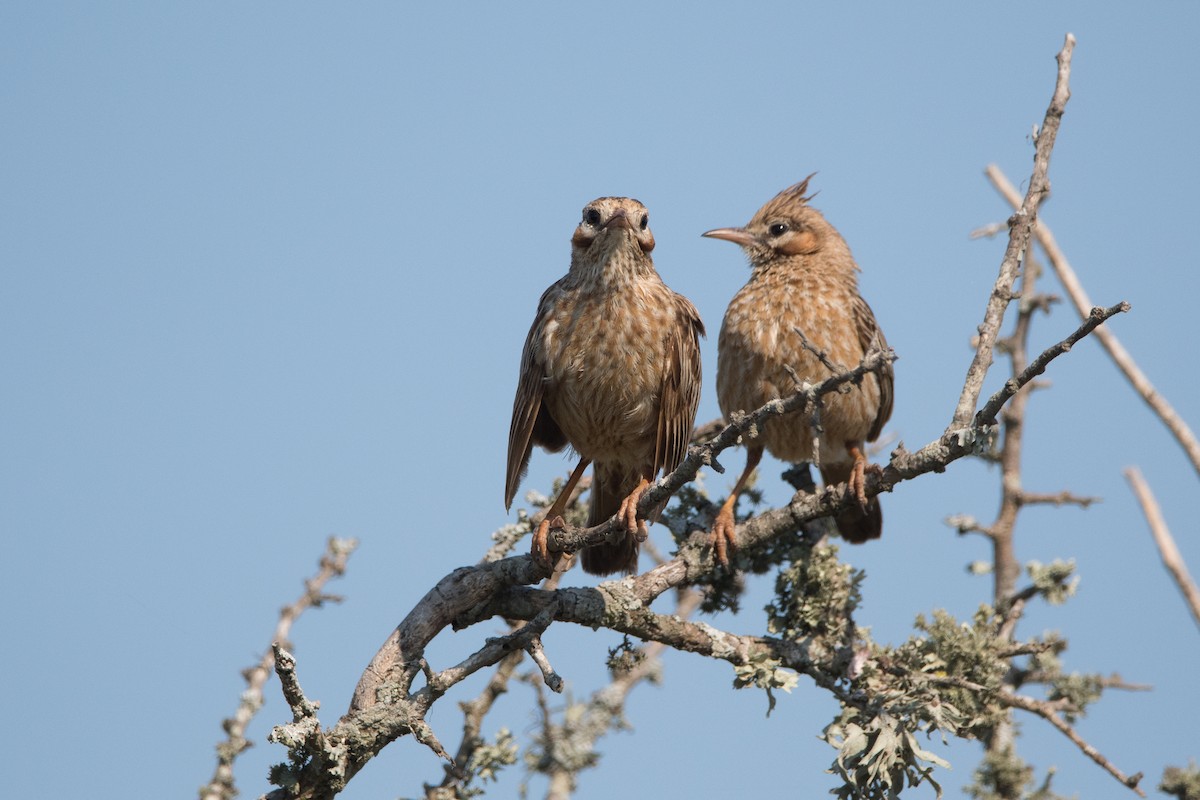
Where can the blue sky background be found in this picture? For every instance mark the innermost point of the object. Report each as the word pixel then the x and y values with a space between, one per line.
pixel 265 274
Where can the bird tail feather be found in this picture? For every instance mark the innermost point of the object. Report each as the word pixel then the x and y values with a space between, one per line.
pixel 855 524
pixel 610 486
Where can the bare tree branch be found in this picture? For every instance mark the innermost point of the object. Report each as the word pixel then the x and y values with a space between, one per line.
pixel 1048 713
pixel 285 668
pixel 999 738
pixel 493 650
pixel 1171 557
pixel 333 564
pixel 1109 682
pixel 474 712
pixel 1020 229
pixel 1039 364
pixel 566 744
pixel 1120 356
pixel 537 654
pixel 1057 499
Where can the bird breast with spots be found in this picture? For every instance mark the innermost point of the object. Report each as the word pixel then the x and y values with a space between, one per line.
pixel 754 333
pixel 613 402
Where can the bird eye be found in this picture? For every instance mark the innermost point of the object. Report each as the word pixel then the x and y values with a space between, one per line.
pixel 591 216
pixel 778 229
pixel 645 221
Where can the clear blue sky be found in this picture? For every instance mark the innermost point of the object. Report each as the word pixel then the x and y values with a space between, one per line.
pixel 267 270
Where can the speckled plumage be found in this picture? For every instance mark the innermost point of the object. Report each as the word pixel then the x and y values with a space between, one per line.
pixel 803 276
pixel 611 367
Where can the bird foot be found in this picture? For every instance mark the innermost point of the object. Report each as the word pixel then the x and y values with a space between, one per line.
pixel 627 513
pixel 540 550
pixel 857 482
pixel 723 536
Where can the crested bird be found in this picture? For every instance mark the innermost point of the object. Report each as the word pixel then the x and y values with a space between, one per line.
pixel 611 367
pixel 803 286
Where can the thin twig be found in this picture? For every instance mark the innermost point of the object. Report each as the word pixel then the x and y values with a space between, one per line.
pixel 474 712
pixel 304 731
pixel 1020 229
pixel 492 651
pixel 457 774
pixel 1005 567
pixel 1171 557
pixel 1057 499
pixel 285 668
pixel 965 523
pixel 604 711
pixel 1104 682
pixel 552 679
pixel 1120 356
pixel 821 355
pixel 1039 364
pixel 222 786
pixel 1048 712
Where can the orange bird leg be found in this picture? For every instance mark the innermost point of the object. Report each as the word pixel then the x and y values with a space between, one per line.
pixel 553 518
pixel 627 513
pixel 723 530
pixel 857 482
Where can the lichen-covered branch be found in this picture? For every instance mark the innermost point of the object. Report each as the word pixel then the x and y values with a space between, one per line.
pixel 386 706
pixel 332 564
pixel 1047 712
pixel 562 750
pixel 1054 582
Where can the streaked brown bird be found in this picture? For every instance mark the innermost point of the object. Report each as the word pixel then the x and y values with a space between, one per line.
pixel 611 367
pixel 802 277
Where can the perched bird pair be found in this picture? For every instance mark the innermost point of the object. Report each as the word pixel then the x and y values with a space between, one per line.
pixel 611 367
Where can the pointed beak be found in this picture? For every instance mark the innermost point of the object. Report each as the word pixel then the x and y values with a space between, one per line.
pixel 738 236
pixel 618 220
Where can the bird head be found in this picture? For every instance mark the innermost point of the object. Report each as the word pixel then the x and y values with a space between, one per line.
pixel 784 228
pixel 611 223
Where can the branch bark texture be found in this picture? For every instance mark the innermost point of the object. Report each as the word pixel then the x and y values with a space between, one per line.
pixel 1108 340
pixel 1021 226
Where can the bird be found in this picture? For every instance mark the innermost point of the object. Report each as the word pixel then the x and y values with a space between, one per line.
pixel 611 367
pixel 803 288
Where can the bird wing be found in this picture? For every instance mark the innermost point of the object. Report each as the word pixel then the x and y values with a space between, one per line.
pixel 680 394
pixel 870 335
pixel 531 423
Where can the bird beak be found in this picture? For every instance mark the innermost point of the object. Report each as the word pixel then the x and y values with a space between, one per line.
pixel 618 220
pixel 736 235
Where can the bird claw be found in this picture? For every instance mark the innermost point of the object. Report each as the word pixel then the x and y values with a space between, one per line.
pixel 723 536
pixel 540 550
pixel 627 513
pixel 857 482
